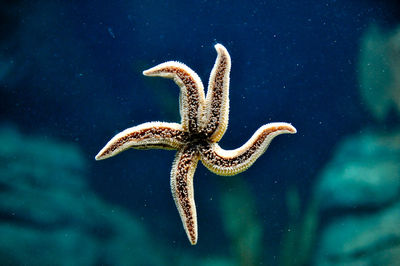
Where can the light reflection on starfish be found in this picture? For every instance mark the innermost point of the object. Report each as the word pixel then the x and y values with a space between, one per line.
pixel 204 122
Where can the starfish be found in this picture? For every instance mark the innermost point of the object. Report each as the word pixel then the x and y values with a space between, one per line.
pixel 204 120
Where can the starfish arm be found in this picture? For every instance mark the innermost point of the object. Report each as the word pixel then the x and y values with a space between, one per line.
pixel 217 100
pixel 192 99
pixel 160 135
pixel 182 172
pixel 232 162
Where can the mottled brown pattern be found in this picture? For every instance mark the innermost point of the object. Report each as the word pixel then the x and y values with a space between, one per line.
pixel 217 160
pixel 193 96
pixel 182 174
pixel 216 98
pixel 159 133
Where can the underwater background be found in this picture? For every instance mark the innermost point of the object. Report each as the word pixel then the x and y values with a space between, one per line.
pixel 71 78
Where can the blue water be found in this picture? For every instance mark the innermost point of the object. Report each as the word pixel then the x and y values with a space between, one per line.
pixel 75 75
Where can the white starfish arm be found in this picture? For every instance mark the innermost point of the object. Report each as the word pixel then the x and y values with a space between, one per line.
pixel 232 162
pixel 217 100
pixel 182 172
pixel 160 135
pixel 192 99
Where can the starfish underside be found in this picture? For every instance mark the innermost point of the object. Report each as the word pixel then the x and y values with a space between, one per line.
pixel 204 120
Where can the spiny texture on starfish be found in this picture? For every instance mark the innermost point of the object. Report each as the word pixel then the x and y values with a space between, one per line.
pixel 204 122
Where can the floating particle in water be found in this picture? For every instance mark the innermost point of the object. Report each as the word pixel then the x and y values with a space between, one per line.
pixel 111 32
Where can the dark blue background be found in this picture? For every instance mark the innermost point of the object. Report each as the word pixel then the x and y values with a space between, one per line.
pixel 75 74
